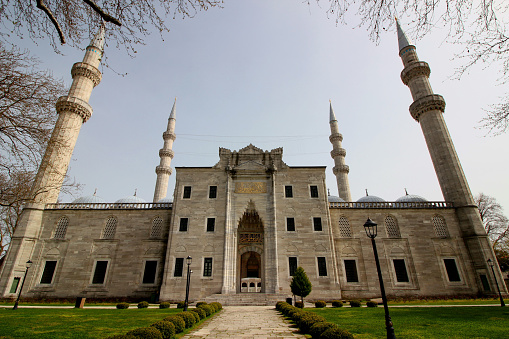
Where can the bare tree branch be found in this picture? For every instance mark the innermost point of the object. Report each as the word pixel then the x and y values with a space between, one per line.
pixel 45 9
pixel 105 16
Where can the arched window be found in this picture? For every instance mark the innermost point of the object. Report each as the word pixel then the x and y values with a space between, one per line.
pixel 344 228
pixel 440 226
pixel 157 228
pixel 110 228
pixel 61 229
pixel 391 227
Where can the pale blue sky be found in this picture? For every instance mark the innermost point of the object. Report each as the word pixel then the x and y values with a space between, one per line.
pixel 263 72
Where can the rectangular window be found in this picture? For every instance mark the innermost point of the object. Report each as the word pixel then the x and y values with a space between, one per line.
pixel 179 266
pixel 351 271
pixel 290 224
pixel 207 267
pixel 212 192
pixel 317 224
pixel 187 192
pixel 322 267
pixel 14 286
pixel 400 269
pixel 100 272
pixel 292 265
pixel 452 270
pixel 211 224
pixel 49 270
pixel 484 281
pixel 149 276
pixel 288 192
pixel 183 224
pixel 313 190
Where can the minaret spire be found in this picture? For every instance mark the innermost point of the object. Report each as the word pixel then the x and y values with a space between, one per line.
pixel 338 153
pixel 164 170
pixel 73 110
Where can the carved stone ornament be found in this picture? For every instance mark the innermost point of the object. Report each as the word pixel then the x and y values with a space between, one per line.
pixel 163 170
pixel 340 169
pixel 425 104
pixel 338 152
pixel 336 136
pixel 87 71
pixel 250 187
pixel 74 105
pixel 166 153
pixel 413 70
pixel 250 238
pixel 167 136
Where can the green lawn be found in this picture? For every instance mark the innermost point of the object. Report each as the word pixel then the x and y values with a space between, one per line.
pixel 421 322
pixel 75 323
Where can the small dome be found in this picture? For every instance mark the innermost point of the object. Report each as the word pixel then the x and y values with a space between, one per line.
pixel 130 200
pixel 333 198
pixel 370 198
pixel 411 198
pixel 166 200
pixel 89 199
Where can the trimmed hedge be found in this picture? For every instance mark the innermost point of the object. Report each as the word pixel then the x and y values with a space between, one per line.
pixel 179 323
pixel 336 333
pixel 164 304
pixel 207 308
pixel 166 328
pixel 143 304
pixel 201 313
pixel 122 306
pixel 320 304
pixel 199 303
pixel 299 304
pixel 355 303
pixel 318 328
pixel 145 333
pixel 181 304
pixel 372 304
pixel 188 318
pixel 217 305
pixel 337 303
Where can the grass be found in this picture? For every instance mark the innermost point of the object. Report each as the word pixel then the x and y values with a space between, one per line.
pixel 421 322
pixel 75 323
pixel 490 301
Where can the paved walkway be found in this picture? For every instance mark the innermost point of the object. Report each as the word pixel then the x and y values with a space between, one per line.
pixel 256 322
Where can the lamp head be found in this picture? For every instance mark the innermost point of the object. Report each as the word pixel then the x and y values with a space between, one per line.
pixel 490 262
pixel 189 260
pixel 28 264
pixel 371 228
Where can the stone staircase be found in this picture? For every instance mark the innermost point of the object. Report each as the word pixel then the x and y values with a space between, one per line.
pixel 246 299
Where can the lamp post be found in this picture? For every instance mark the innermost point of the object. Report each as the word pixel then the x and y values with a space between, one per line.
pixel 189 260
pixel 371 231
pixel 491 264
pixel 28 264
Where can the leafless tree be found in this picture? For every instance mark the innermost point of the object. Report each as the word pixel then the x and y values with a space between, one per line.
pixel 480 26
pixel 495 222
pixel 72 21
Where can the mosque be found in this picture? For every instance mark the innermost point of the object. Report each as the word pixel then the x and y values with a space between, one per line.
pixel 244 224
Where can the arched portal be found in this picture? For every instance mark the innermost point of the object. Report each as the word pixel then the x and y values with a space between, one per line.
pixel 250 273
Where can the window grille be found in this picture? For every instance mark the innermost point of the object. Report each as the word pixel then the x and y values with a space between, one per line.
pixel 183 224
pixel 157 228
pixel 49 270
pixel 344 228
pixel 187 192
pixel 313 191
pixel 440 226
pixel 400 270
pixel 391 227
pixel 290 224
pixel 149 276
pixel 322 267
pixel 207 267
pixel 213 192
pixel 61 228
pixel 288 192
pixel 351 271
pixel 452 270
pixel 292 264
pixel 317 224
pixel 110 229
pixel 100 272
pixel 179 267
pixel 211 224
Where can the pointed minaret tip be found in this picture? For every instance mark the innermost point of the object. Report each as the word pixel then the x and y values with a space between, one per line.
pixel 173 114
pixel 332 116
pixel 403 40
pixel 98 40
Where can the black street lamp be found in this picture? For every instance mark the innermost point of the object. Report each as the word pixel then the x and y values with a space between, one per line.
pixel 491 264
pixel 189 260
pixel 28 264
pixel 371 231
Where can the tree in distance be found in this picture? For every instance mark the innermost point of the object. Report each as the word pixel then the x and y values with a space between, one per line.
pixel 300 284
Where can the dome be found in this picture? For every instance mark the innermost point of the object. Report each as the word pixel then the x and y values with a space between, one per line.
pixel 370 198
pixel 411 198
pixel 130 200
pixel 166 200
pixel 89 199
pixel 333 198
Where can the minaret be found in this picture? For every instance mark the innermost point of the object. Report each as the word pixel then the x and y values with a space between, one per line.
pixel 338 153
pixel 427 109
pixel 73 110
pixel 166 154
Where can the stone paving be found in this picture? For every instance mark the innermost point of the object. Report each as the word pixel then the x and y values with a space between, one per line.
pixel 256 322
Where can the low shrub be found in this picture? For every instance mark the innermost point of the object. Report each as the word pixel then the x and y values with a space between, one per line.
pixel 320 304
pixel 337 303
pixel 164 304
pixel 279 304
pixel 166 328
pixel 219 307
pixel 208 309
pixel 308 320
pixel 181 304
pixel 199 303
pixel 118 336
pixel 143 304
pixel 291 313
pixel 122 306
pixel 355 303
pixel 145 333
pixel 197 317
pixel 336 333
pixel 188 318
pixel 372 304
pixel 214 307
pixel 318 328
pixel 201 313
pixel 179 323
pixel 299 304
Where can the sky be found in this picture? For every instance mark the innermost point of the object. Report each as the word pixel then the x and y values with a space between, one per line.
pixel 263 72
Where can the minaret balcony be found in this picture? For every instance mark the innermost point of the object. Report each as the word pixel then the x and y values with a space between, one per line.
pixel 74 105
pixel 418 68
pixel 425 104
pixel 87 71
